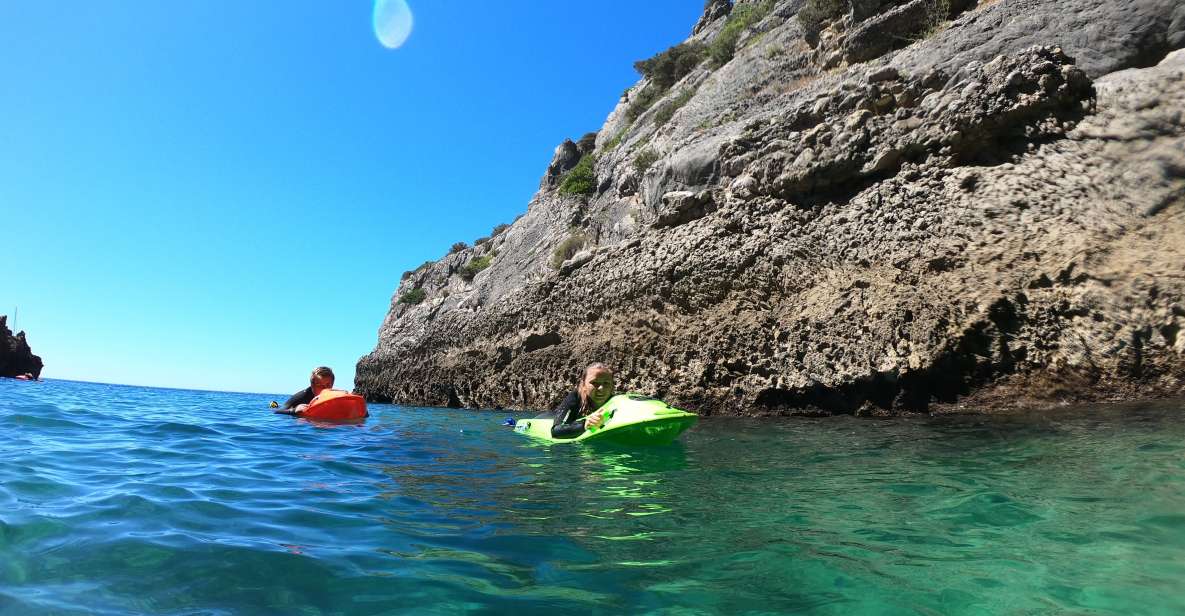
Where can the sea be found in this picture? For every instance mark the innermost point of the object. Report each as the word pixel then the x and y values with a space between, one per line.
pixel 132 500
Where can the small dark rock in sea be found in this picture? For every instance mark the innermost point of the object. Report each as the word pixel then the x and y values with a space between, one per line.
pixel 16 358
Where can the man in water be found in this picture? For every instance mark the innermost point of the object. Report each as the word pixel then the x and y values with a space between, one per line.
pixel 321 379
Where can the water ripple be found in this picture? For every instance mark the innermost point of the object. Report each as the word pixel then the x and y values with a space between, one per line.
pixel 117 500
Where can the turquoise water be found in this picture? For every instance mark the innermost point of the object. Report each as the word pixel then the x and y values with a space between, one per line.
pixel 121 499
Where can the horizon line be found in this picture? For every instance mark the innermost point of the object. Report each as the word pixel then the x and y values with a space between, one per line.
pixel 216 391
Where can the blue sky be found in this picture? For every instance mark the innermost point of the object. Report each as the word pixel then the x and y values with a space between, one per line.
pixel 223 194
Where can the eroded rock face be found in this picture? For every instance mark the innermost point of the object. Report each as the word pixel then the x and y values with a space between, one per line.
pixel 714 10
pixel 567 154
pixel 982 217
pixel 1103 36
pixel 16 358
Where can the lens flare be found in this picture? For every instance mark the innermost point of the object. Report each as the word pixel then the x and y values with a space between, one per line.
pixel 392 22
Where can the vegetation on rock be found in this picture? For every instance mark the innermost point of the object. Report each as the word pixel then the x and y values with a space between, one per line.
pixel 666 68
pixel 458 247
pixel 741 18
pixel 664 71
pixel 567 249
pixel 616 140
pixel 644 159
pixel 582 179
pixel 414 296
pixel 668 109
pixel 642 102
pixel 473 267
pixel 410 273
pixel 937 15
pixel 816 13
pixel 588 142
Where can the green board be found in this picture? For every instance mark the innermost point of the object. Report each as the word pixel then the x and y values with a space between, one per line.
pixel 633 420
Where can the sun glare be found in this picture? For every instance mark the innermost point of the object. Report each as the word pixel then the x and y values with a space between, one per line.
pixel 392 22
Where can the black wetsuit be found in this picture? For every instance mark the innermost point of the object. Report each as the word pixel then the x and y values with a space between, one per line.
pixel 303 396
pixel 569 423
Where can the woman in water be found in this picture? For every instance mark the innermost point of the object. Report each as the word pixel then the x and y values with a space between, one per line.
pixel 578 412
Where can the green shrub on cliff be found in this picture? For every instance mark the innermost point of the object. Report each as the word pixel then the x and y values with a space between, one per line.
pixel 567 248
pixel 643 101
pixel 587 143
pixel 815 13
pixel 740 19
pixel 667 67
pixel 414 296
pixel 410 273
pixel 644 160
pixel 937 15
pixel 582 179
pixel 473 267
pixel 615 141
pixel 458 247
pixel 668 109
pixel 498 229
pixel 664 70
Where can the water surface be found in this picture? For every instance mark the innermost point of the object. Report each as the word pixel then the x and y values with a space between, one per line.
pixel 118 499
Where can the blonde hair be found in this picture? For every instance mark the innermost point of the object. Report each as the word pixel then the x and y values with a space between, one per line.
pixel 321 372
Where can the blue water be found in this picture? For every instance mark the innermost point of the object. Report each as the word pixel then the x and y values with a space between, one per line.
pixel 121 500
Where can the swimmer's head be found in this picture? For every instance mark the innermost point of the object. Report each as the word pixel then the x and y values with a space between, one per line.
pixel 322 378
pixel 596 387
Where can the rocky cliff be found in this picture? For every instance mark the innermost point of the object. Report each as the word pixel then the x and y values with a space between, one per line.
pixel 16 358
pixel 870 206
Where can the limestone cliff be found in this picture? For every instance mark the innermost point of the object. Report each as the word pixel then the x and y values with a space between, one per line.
pixel 869 206
pixel 16 358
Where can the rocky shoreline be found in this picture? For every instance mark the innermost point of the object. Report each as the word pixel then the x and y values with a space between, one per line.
pixel 873 207
pixel 16 358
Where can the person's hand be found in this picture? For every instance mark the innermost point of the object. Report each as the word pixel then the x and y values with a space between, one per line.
pixel 300 408
pixel 595 420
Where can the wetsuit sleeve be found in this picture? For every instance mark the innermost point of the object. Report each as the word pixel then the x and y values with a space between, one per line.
pixel 567 424
pixel 303 396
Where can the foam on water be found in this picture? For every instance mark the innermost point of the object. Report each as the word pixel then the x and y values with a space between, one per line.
pixel 133 500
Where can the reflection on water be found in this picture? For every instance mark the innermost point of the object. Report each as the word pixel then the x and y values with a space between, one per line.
pixel 132 500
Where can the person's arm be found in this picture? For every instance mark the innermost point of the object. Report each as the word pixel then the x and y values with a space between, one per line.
pixel 566 424
pixel 294 404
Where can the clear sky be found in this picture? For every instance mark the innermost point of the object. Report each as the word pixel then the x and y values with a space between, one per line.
pixel 222 194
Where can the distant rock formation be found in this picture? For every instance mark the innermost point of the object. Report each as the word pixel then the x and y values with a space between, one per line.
pixel 16 358
pixel 817 206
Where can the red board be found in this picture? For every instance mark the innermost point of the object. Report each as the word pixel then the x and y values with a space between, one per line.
pixel 336 405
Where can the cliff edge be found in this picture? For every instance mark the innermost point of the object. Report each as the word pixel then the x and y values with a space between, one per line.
pixel 870 206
